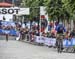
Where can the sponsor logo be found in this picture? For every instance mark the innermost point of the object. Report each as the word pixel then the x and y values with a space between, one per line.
pixel 9 11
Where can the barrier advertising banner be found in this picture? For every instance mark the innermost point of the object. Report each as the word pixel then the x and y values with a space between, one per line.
pixel 8 13
pixel 52 41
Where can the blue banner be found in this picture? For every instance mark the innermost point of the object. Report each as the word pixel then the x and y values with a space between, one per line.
pixel 68 43
pixel 7 23
pixel 10 32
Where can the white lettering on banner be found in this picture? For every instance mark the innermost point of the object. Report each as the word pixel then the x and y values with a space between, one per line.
pixel 50 41
pixel 39 39
pixel 53 41
pixel 45 40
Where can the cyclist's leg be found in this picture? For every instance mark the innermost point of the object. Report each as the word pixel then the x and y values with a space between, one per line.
pixel 58 43
pixel 61 44
pixel 59 47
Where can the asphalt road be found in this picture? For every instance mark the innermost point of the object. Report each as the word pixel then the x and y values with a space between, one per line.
pixel 20 50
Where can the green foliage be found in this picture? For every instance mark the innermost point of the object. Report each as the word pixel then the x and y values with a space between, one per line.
pixel 57 9
pixel 34 6
pixel 69 5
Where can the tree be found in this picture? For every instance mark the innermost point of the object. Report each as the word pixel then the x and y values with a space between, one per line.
pixel 57 9
pixel 34 6
pixel 70 7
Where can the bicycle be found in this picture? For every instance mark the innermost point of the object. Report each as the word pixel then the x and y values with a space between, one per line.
pixel 59 43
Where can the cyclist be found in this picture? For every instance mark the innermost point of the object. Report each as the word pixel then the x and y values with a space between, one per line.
pixel 59 42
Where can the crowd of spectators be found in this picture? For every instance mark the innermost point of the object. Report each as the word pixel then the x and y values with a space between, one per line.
pixel 53 28
pixel 31 32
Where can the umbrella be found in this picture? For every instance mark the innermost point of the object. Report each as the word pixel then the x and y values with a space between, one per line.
pixel 4 4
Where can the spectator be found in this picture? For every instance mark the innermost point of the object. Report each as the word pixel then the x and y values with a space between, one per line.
pixel 67 35
pixel 53 32
pixel 73 33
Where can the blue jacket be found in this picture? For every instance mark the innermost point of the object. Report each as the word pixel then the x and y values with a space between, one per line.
pixel 59 26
